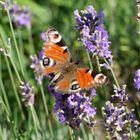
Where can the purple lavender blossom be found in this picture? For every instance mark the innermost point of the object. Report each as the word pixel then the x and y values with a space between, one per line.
pixel 28 95
pixel 137 80
pixel 120 96
pixel 36 66
pixel 6 4
pixel 72 109
pixel 20 16
pixel 43 36
pixel 94 36
pixel 118 119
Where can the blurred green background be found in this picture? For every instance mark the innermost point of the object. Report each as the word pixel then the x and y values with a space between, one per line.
pixel 120 22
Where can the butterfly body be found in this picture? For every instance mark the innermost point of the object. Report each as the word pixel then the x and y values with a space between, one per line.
pixel 68 76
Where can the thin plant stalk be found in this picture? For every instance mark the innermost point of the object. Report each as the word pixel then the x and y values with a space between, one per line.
pixel 15 69
pixel 20 42
pixel 12 79
pixel 11 59
pixel 14 87
pixel 30 41
pixel 115 79
pixel 90 62
pixel 5 95
pixel 91 66
pixel 35 120
pixel 92 132
pixel 46 110
pixel 84 133
pixel 71 134
pixel 15 42
pixel 4 106
pixel 1 100
pixel 99 69
pixel 98 64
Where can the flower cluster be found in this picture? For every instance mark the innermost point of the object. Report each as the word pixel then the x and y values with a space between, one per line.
pixel 94 36
pixel 118 119
pixel 120 97
pixel 72 109
pixel 20 16
pixel 28 95
pixel 6 4
pixel 137 80
pixel 36 66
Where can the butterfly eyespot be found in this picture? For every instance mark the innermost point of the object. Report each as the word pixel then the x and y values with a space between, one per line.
pixel 100 79
pixel 55 37
pixel 74 86
pixel 46 61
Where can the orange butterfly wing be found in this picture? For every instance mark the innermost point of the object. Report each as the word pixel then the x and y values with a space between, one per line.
pixel 84 78
pixel 88 79
pixel 63 85
pixel 56 52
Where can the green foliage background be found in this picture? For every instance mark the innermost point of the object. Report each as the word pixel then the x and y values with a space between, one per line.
pixel 122 26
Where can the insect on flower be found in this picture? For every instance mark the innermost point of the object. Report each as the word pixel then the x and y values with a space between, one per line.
pixel 68 76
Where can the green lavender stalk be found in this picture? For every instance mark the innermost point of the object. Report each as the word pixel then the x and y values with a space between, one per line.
pixel 1 100
pixel 29 32
pixel 11 76
pixel 89 59
pixel 112 72
pixel 5 95
pixel 15 42
pixel 35 121
pixel 71 134
pixel 46 110
pixel 20 43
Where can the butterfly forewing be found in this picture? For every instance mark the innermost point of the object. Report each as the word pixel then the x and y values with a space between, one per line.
pixel 55 52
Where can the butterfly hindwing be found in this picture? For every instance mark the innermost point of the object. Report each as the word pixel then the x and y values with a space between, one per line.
pixel 63 85
pixel 67 84
pixel 88 79
pixel 84 78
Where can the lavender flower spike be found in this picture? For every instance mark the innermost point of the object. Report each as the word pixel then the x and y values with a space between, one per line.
pixel 6 4
pixel 43 36
pixel 72 109
pixel 28 95
pixel 118 119
pixel 37 67
pixel 137 80
pixel 93 35
pixel 20 16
